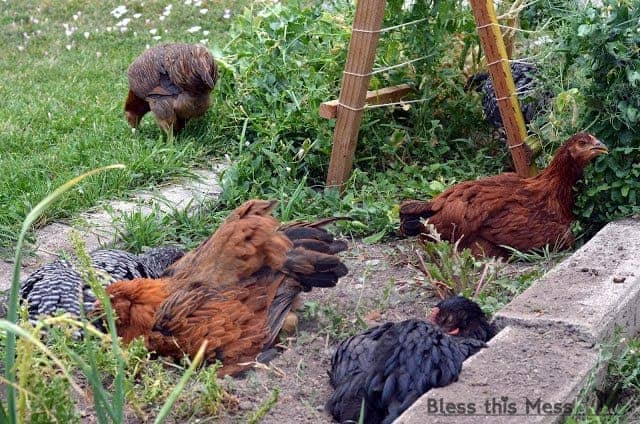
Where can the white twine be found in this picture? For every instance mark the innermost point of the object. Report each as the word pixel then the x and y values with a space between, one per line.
pixel 379 70
pixel 368 106
pixel 502 26
pixel 376 31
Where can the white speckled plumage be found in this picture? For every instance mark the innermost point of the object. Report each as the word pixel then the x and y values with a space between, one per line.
pixel 59 286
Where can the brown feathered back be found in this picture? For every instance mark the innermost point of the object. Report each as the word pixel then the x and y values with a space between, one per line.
pixel 249 240
pixel 234 290
pixel 173 81
pixel 506 209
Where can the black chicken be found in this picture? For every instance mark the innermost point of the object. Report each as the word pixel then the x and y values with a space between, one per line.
pixel 57 285
pixel 390 366
pixel 525 77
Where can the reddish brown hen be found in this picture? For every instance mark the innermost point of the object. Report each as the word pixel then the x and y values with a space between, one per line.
pixel 506 210
pixel 173 81
pixel 235 290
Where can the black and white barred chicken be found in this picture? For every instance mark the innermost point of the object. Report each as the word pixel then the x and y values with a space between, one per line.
pixel 392 365
pixel 58 285
pixel 533 100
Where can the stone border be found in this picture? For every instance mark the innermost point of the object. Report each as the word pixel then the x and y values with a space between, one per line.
pixel 98 227
pixel 551 337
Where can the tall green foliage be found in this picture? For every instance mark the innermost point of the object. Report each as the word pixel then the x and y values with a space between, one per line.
pixel 600 45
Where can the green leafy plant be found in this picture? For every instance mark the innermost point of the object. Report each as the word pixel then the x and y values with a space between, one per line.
pixel 451 271
pixel 600 67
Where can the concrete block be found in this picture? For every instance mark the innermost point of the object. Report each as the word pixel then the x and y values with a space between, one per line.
pixel 523 376
pixel 591 293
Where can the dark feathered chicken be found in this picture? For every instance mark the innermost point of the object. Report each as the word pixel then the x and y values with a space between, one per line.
pixel 60 286
pixel 173 81
pixel 392 365
pixel 525 77
pixel 506 209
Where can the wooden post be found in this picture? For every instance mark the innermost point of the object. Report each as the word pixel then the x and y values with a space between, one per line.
pixel 357 72
pixel 496 54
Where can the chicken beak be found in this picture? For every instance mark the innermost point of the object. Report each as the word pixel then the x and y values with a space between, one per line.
pixel 600 147
pixel 433 315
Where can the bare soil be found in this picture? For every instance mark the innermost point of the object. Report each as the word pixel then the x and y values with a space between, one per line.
pixel 380 287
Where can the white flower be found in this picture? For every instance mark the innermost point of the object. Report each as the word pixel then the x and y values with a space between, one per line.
pixel 75 17
pixel 109 29
pixel 194 29
pixel 162 17
pixel 205 32
pixel 137 15
pixel 204 41
pixel 288 169
pixel 68 46
pixel 98 54
pixel 153 31
pixel 119 11
pixel 124 22
pixel 197 3
pixel 204 11
pixel 86 34
pixel 68 30
pixel 146 21
pixel 20 48
pixel 156 37
pixel 167 10
pixel 135 33
pixel 227 14
pixel 187 2
pixel 123 29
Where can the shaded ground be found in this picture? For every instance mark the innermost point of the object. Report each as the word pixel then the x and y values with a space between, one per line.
pixel 377 289
pixel 380 287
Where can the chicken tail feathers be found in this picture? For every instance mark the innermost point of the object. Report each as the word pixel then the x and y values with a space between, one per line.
pixel 312 268
pixel 411 214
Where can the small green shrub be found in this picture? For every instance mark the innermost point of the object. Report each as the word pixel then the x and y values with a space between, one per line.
pixel 601 68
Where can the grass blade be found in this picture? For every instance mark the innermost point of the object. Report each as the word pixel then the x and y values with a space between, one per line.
pixel 10 353
pixel 14 329
pixel 180 386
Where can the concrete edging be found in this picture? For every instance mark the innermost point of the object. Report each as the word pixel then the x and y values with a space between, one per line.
pixel 550 341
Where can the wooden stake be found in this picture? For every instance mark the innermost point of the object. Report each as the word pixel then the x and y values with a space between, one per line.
pixel 329 110
pixel 357 72
pixel 496 54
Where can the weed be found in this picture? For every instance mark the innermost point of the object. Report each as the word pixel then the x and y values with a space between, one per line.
pixel 616 399
pixel 451 271
pixel 264 408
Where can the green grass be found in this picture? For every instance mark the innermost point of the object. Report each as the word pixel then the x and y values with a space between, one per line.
pixel 617 398
pixel 63 98
pixel 64 83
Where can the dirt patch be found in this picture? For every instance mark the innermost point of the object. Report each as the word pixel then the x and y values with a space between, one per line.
pixel 380 287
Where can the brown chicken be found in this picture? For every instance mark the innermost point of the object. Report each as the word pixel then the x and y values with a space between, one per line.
pixel 506 210
pixel 173 81
pixel 235 290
